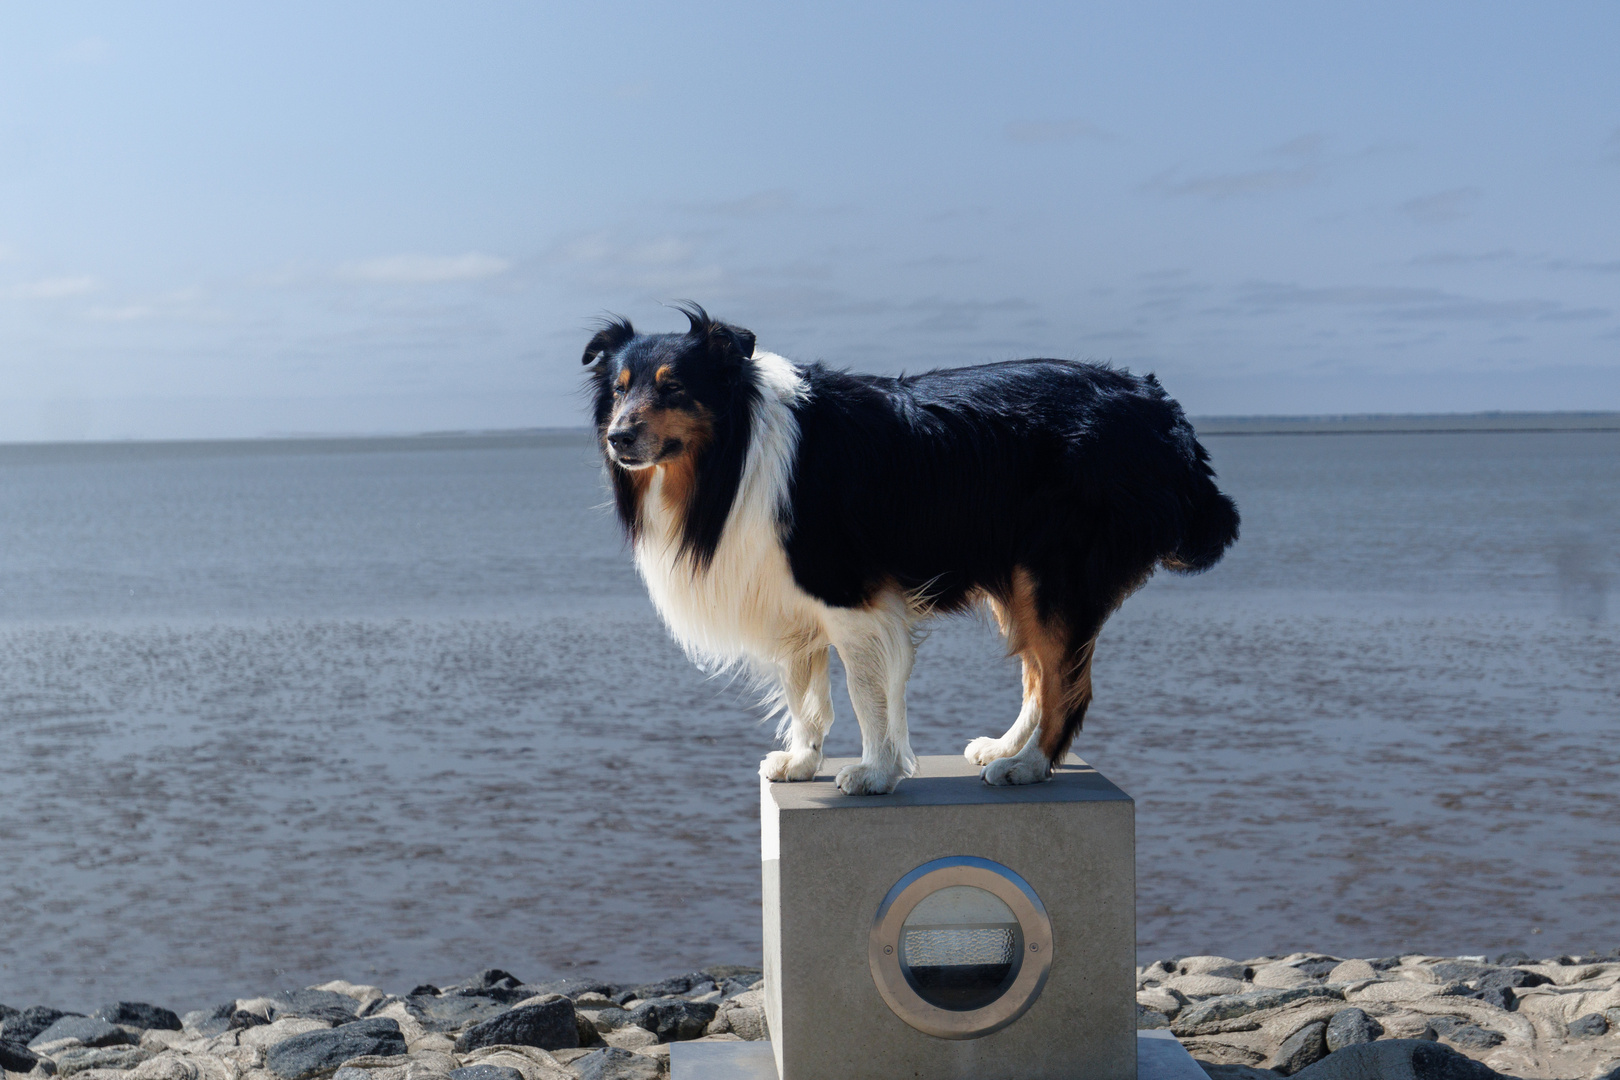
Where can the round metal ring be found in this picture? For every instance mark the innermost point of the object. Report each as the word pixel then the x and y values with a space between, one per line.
pixel 1030 948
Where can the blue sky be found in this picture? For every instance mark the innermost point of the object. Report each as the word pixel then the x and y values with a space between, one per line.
pixel 235 220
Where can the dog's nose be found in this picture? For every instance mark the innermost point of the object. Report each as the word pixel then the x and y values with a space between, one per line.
pixel 622 438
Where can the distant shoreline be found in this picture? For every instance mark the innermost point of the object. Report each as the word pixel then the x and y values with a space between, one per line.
pixel 1325 424
pixel 1408 423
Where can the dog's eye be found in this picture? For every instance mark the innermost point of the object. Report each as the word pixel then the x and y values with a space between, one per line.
pixel 670 386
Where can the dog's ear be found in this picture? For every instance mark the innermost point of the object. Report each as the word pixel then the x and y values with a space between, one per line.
pixel 724 341
pixel 614 332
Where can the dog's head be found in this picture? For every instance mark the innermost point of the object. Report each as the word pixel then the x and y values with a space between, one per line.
pixel 657 397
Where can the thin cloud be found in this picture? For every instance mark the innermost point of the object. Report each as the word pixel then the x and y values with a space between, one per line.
pixel 426 269
pixel 758 204
pixel 1033 132
pixel 1453 204
pixel 1585 266
pixel 1302 163
pixel 56 288
pixel 1463 258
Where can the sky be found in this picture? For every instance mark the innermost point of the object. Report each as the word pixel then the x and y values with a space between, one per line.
pixel 234 220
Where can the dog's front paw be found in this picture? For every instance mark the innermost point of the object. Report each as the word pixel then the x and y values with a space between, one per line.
pixel 983 751
pixel 864 779
pixel 1009 771
pixel 790 765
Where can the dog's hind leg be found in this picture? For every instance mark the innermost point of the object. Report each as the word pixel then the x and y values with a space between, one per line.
pixel 877 649
pixel 984 750
pixel 807 693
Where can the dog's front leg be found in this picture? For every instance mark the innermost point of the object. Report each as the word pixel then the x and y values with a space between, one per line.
pixel 807 692
pixel 878 666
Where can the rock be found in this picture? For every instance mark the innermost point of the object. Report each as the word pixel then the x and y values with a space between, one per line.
pixel 1589 1026
pixel 1607 1071
pixel 673 1018
pixel 742 973
pixel 1397 1059
pixel 631 1037
pixel 1512 959
pixel 1222 966
pixel 680 984
pixel 1317 966
pixel 23 1026
pixel 1352 971
pixel 531 1062
pixel 87 1030
pixel 1500 997
pixel 317 1053
pixel 313 1005
pixel 485 1072
pixel 606 1019
pixel 549 1024
pixel 1205 1017
pixel 1393 990
pixel 573 988
pixel 586 1027
pixel 1165 1002
pixel 743 1016
pixel 616 1064
pixel 138 1014
pixel 16 1057
pixel 423 990
pixel 1304 1047
pixel 1464 1033
pixel 1460 970
pixel 83 1058
pixel 1236 1072
pixel 1517 978
pixel 1281 977
pixel 241 1019
pixel 452 1013
pixel 1351 1027
pixel 1205 986
pixel 1146 1019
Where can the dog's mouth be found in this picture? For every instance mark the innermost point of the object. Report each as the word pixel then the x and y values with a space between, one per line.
pixel 637 459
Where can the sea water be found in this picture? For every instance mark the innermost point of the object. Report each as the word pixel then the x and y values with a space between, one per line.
pixel 394 710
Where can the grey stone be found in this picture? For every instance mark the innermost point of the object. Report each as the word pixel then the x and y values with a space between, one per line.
pixel 673 987
pixel 1304 1047
pixel 586 1029
pixel 1236 1072
pixel 1589 1026
pixel 1514 977
pixel 572 988
pixel 730 988
pixel 614 1063
pixel 721 973
pixel 1509 959
pixel 80 1058
pixel 1318 966
pixel 454 1012
pixel 1460 970
pixel 88 1030
pixel 325 1005
pixel 485 1072
pixel 1397 1059
pixel 241 1019
pixel 138 1014
pixel 1148 1019
pixel 673 1018
pixel 607 1019
pixel 1607 1071
pixel 1458 1030
pixel 1205 1017
pixel 16 1057
pixel 1501 997
pixel 550 1025
pixel 1351 1027
pixel 743 1017
pixel 23 1026
pixel 317 1053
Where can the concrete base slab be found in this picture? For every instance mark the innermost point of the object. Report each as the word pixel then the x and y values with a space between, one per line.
pixel 1158 1057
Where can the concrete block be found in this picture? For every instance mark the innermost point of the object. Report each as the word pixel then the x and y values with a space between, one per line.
pixel 1046 912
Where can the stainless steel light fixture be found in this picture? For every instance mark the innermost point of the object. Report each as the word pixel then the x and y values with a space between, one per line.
pixel 960 947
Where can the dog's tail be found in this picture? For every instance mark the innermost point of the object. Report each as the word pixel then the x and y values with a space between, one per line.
pixel 1209 522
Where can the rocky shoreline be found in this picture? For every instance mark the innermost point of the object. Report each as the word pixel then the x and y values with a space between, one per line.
pixel 1315 1016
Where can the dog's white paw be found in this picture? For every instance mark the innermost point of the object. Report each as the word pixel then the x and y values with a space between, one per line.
pixel 790 765
pixel 984 750
pixel 864 779
pixel 1008 771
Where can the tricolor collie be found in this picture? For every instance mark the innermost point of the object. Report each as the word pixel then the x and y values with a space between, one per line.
pixel 779 509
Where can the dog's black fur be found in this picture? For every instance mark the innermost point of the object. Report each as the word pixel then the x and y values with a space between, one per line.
pixel 951 485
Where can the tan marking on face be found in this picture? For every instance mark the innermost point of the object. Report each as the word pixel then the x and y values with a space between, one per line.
pixel 624 379
pixel 661 374
pixel 695 430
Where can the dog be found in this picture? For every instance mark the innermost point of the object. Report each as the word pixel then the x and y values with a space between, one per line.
pixel 778 509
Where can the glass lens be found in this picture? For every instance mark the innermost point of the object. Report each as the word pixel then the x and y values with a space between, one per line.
pixel 960 948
